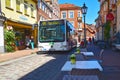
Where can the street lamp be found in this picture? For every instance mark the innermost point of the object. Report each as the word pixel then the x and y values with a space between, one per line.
pixel 84 11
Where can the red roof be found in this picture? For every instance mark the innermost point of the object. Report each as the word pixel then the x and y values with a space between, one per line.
pixel 68 6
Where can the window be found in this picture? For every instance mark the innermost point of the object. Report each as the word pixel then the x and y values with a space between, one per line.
pixel 52 33
pixel 32 11
pixel 79 26
pixel 42 18
pixel 18 5
pixel 79 14
pixel 25 7
pixel 50 15
pixel 43 6
pixel 39 3
pixel 8 3
pixel 63 14
pixel 71 14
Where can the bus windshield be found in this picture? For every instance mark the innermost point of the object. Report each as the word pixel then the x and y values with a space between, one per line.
pixel 51 32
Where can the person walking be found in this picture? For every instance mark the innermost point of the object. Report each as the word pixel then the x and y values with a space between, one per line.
pixel 32 42
pixel 27 42
pixel 90 40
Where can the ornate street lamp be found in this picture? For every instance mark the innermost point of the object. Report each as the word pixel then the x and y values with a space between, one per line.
pixel 84 11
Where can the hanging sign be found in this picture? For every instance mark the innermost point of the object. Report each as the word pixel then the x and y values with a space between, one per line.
pixel 109 17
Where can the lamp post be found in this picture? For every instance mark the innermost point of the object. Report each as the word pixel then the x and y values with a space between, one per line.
pixel 84 11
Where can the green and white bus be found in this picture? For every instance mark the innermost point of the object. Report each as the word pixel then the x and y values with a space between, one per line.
pixel 55 35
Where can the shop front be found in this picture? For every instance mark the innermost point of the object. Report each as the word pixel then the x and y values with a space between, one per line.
pixel 21 31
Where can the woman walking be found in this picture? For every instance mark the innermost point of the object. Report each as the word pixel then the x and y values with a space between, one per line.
pixel 32 42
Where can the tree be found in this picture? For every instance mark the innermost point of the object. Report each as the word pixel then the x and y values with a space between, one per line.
pixel 107 31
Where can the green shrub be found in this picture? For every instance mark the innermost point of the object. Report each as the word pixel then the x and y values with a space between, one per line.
pixel 9 37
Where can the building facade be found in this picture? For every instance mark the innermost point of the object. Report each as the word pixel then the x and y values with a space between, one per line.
pixel 21 15
pixel 73 14
pixel 44 11
pixel 55 8
pixel 48 9
pixel 109 12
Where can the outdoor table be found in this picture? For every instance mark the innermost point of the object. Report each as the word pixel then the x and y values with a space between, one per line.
pixel 80 77
pixel 88 53
pixel 81 65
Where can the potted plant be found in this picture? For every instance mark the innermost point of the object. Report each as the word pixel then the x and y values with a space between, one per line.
pixel 73 58
pixel 78 50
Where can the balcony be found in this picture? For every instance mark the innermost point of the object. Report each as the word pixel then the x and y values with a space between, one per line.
pixel 79 19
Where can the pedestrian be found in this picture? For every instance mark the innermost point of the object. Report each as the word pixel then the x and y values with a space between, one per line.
pixel 27 42
pixel 93 40
pixel 82 44
pixel 90 40
pixel 32 42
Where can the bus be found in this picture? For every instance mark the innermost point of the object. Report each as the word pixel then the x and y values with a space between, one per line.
pixel 55 35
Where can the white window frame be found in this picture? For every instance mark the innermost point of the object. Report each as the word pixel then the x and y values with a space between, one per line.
pixel 79 13
pixel 63 15
pixel 69 13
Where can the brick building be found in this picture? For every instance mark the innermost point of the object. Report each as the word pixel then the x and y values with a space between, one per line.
pixel 73 14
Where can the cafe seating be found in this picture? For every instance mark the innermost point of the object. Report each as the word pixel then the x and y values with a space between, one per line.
pixel 100 57
pixel 80 77
pixel 76 71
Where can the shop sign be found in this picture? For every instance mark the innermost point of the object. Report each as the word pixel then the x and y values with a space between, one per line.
pixel 23 18
pixel 109 17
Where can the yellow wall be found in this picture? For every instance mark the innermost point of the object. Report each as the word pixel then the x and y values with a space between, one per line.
pixel 13 15
pixel 18 20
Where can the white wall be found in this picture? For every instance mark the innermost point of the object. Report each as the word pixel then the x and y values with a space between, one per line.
pixel 1 38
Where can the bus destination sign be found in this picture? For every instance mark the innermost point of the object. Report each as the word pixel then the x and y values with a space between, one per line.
pixel 44 23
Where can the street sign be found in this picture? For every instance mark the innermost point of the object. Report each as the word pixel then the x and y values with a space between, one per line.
pixel 110 17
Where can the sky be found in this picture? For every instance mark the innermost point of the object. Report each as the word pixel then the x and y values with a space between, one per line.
pixel 93 8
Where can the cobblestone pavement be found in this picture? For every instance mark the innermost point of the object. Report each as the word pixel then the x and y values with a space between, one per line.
pixel 14 70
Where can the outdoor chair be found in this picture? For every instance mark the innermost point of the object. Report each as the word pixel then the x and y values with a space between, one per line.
pixel 83 50
pixel 100 57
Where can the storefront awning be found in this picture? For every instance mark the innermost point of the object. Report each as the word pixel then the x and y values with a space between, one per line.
pixel 19 24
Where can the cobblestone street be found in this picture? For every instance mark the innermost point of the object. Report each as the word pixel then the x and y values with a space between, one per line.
pixel 13 70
